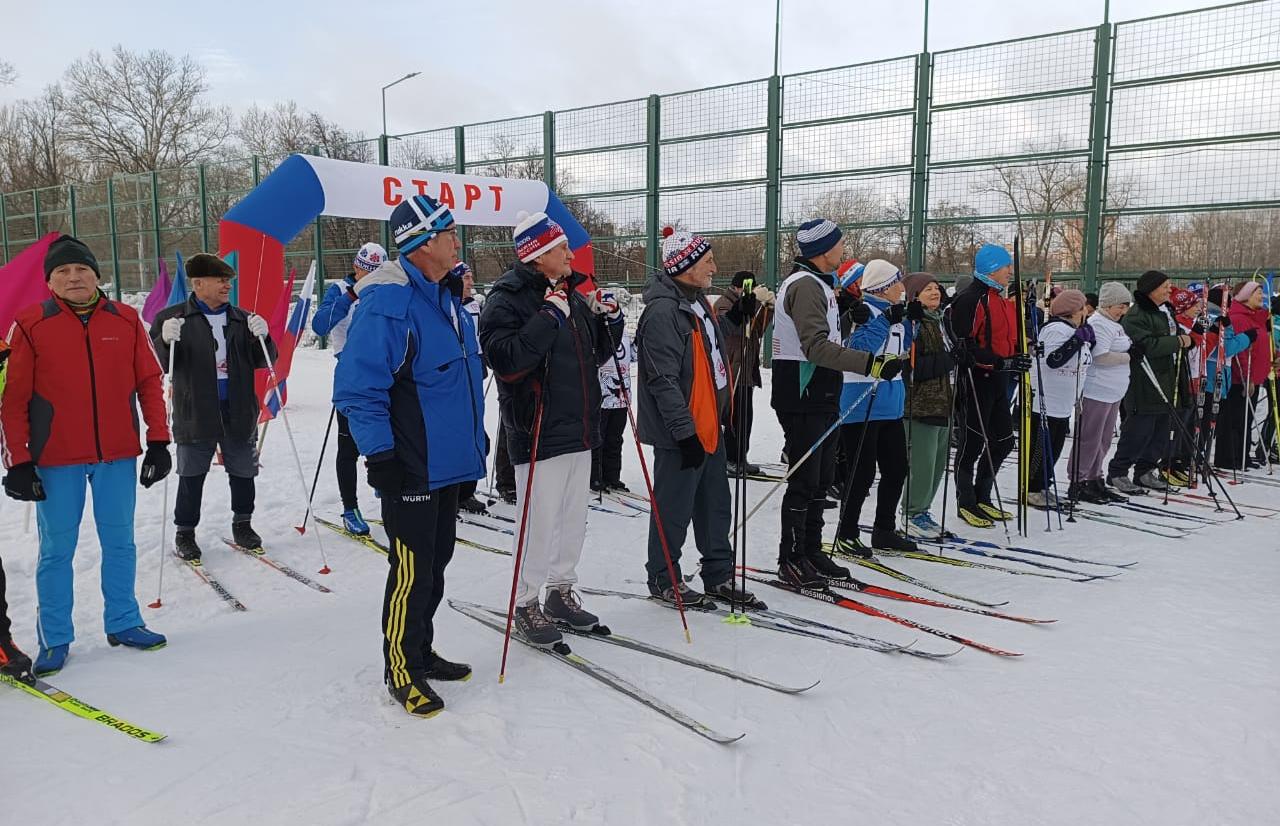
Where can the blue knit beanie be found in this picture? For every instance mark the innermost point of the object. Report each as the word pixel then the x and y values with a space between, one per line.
pixel 817 236
pixel 990 258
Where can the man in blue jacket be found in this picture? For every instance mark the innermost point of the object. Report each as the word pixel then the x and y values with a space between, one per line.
pixel 872 433
pixel 332 319
pixel 409 384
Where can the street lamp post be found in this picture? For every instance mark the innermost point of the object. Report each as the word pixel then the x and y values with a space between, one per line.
pixel 384 97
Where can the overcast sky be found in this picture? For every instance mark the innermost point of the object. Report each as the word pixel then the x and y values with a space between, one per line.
pixel 489 59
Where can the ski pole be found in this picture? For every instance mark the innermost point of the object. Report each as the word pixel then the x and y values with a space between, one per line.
pixel 164 490
pixel 807 454
pixel 1151 375
pixel 523 533
pixel 324 445
pixel 293 445
pixel 1173 431
pixel 986 447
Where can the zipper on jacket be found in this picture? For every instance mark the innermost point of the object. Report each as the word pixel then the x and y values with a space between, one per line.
pixel 93 393
pixel 471 388
pixel 582 378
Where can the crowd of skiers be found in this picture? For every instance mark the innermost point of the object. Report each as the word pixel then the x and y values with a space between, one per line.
pixel 878 375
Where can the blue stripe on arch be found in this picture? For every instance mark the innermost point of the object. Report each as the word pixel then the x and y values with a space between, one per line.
pixel 286 201
pixel 558 212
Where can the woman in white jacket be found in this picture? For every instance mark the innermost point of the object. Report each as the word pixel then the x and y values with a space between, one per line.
pixel 1064 347
pixel 1104 388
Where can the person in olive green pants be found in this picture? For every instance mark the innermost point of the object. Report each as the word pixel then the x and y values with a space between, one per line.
pixel 928 407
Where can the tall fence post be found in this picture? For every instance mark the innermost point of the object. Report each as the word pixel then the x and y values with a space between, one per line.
pixel 773 185
pixel 549 149
pixel 1096 186
pixel 653 138
pixel 4 228
pixel 71 210
pixel 35 206
pixel 204 212
pixel 460 167
pixel 384 155
pixel 115 240
pixel 916 245
pixel 155 221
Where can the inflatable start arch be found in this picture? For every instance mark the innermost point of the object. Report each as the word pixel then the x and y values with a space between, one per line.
pixel 304 187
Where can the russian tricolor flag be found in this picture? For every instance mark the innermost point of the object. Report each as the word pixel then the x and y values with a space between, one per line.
pixel 276 398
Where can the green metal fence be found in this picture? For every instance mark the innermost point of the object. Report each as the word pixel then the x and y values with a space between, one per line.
pixel 1111 149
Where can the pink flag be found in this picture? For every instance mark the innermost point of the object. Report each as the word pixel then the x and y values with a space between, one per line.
pixel 22 281
pixel 158 298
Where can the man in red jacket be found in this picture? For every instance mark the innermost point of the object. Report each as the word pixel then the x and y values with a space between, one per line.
pixel 70 421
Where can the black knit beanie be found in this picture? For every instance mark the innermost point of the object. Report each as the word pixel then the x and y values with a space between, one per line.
pixel 68 250
pixel 1150 280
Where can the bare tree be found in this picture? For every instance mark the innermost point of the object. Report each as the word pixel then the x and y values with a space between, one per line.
pixel 8 74
pixel 33 152
pixel 134 112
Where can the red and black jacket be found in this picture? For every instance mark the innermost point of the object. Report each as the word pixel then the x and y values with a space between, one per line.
pixel 985 323
pixel 74 387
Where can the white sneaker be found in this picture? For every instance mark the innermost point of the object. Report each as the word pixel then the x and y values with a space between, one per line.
pixel 922 526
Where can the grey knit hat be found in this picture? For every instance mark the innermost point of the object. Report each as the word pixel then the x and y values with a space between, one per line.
pixel 1113 292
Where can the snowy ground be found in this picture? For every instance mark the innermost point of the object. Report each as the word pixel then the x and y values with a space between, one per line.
pixel 1154 700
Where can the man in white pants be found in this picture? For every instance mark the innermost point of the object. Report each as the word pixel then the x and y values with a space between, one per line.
pixel 545 341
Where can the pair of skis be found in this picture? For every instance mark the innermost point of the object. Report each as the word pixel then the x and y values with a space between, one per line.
pixel 197 567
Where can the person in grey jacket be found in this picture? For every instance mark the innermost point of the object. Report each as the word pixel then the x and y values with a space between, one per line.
pixel 683 389
pixel 215 404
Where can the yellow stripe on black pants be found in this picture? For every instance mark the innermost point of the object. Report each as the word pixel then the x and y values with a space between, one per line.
pixel 396 615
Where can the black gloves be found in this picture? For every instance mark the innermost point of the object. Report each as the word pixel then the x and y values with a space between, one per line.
pixel 1252 335
pixel 749 304
pixel 692 454
pixel 156 464
pixel 385 473
pixel 1137 351
pixel 962 357
pixel 23 483
pixel 859 311
pixel 895 313
pixel 915 311
pixel 1224 321
pixel 1017 363
pixel 886 367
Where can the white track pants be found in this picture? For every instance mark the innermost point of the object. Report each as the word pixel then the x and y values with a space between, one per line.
pixel 556 524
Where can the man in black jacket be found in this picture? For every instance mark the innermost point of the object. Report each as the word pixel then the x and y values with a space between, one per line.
pixel 545 342
pixel 684 386
pixel 215 404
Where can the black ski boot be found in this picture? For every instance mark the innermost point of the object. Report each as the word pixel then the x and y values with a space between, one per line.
pixel 14 663
pixel 185 547
pixel 562 605
pixel 472 505
pixel 733 593
pixel 507 495
pixel 889 540
pixel 689 598
pixel 1107 495
pixel 242 534
pixel 438 668
pixel 800 572
pixel 853 548
pixel 417 698
pixel 534 626
pixel 826 568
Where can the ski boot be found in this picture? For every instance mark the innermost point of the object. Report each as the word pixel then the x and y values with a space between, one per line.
pixel 1153 481
pixel 889 540
pixel 417 698
pixel 472 505
pixel 974 517
pixel 438 668
pixel 353 522
pixel 922 526
pixel 185 546
pixel 732 592
pixel 50 660
pixel 1122 484
pixel 242 534
pixel 562 605
pixel 534 626
pixel 141 638
pixel 800 572
pixel 689 598
pixel 994 513
pixel 14 663
pixel 854 547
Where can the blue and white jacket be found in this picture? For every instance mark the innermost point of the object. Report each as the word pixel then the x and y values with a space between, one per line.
pixel 1233 345
pixel 409 379
pixel 877 337
pixel 333 316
